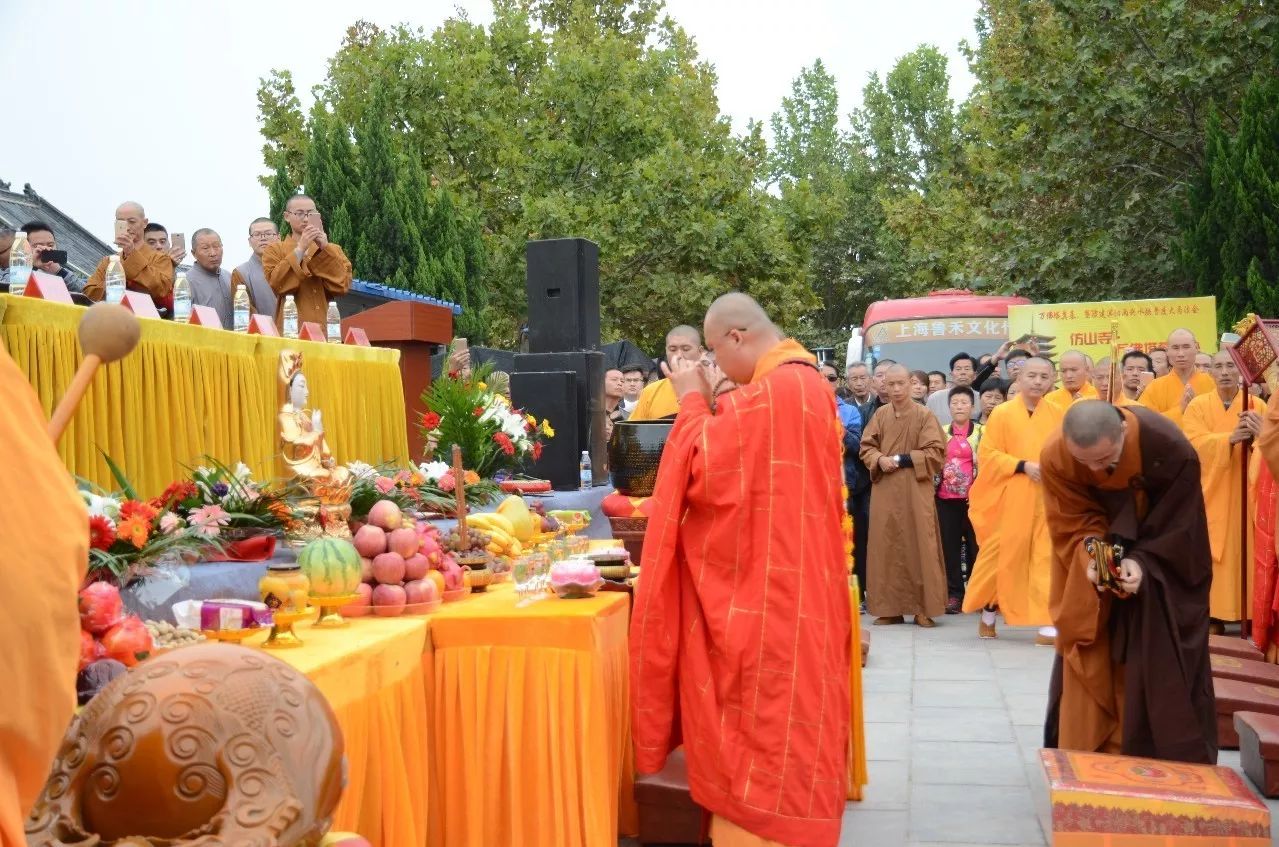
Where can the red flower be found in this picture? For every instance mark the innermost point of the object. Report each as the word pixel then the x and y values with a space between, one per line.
pixel 430 420
pixel 479 410
pixel 101 533
pixel 447 483
pixel 504 441
pixel 177 492
pixel 537 450
pixel 137 510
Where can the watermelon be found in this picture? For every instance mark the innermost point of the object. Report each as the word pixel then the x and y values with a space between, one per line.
pixel 332 565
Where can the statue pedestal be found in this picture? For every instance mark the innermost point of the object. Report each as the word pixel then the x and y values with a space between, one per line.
pixel 323 519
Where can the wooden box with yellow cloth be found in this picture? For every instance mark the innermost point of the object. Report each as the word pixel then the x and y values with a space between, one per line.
pixel 1100 800
pixel 188 392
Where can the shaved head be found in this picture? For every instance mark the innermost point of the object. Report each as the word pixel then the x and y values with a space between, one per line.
pixel 135 220
pixel 1181 335
pixel 683 342
pixel 739 332
pixel 1182 348
pixel 1035 379
pixel 897 370
pixel 1075 369
pixel 1090 422
pixel 685 331
pixel 128 208
pixel 1075 356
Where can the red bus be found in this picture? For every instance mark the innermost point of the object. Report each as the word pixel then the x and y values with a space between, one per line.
pixel 924 332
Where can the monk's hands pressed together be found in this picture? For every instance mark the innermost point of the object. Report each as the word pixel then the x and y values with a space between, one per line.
pixel 688 378
pixel 1130 575
pixel 1187 396
pixel 888 464
pixel 1032 471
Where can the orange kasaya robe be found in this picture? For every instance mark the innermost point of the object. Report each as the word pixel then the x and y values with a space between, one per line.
pixel 1062 397
pixel 1014 564
pixel 1164 394
pixel 741 629
pixel 321 276
pixel 904 570
pixel 1132 675
pixel 146 270
pixel 657 400
pixel 44 553
pixel 1207 423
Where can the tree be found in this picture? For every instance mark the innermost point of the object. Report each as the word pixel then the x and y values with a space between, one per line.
pixel 283 127
pixel 1230 240
pixel 575 118
pixel 280 188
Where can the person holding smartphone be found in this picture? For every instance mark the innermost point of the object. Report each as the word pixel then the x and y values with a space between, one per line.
pixel 46 257
pixel 306 264
pixel 1136 371
pixel 145 268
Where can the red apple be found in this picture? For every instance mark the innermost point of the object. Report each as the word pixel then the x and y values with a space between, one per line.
pixel 363 600
pixel 370 541
pixel 388 568
pixel 402 541
pixel 388 600
pixel 386 515
pixel 366 569
pixel 421 591
pixel 416 566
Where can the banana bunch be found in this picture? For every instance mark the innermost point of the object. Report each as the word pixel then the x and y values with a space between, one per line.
pixel 502 533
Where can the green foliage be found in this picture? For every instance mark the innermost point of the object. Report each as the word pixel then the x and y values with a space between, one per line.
pixel 280 113
pixel 1230 242
pixel 280 189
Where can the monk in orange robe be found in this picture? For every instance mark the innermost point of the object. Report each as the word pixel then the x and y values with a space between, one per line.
pixel 658 400
pixel 1075 369
pixel 1215 423
pixel 741 630
pixel 306 264
pixel 1135 370
pixel 44 545
pixel 1171 393
pixel 1265 592
pixel 1013 570
pixel 1132 674
pixel 145 268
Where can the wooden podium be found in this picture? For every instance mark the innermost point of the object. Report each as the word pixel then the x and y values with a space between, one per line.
pixel 413 328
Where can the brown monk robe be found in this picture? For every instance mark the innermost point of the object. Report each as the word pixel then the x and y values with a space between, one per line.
pixel 1132 674
pixel 903 447
pixel 145 269
pixel 44 548
pixel 306 264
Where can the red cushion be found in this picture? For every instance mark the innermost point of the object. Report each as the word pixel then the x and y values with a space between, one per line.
pixel 620 506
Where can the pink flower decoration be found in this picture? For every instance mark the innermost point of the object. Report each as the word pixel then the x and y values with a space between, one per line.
pixel 385 484
pixel 207 520
pixel 170 523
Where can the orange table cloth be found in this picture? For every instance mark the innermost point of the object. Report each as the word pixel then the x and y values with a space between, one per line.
pixel 371 672
pixel 530 722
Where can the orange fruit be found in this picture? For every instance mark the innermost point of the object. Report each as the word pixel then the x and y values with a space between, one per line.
pixel 437 578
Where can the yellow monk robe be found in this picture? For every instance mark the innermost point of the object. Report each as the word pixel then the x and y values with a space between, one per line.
pixel 1207 423
pixel 1164 394
pixel 1014 566
pixel 145 270
pixel 1122 400
pixel 44 550
pixel 1062 398
pixel 321 276
pixel 655 401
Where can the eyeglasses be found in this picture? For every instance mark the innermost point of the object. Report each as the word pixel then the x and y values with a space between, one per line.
pixel 303 213
pixel 262 236
pixel 832 379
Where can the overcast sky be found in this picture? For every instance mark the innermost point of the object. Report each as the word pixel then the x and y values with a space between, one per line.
pixel 154 101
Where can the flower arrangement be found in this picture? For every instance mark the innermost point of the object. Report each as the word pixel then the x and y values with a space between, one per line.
pixel 495 438
pixel 127 533
pixel 220 498
pixel 427 488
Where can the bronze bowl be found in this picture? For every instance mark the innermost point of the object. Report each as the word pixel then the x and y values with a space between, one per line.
pixel 634 453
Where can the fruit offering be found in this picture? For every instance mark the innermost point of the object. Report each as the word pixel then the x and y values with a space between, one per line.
pixel 166 636
pixel 396 556
pixel 332 565
pixel 100 607
pixel 128 642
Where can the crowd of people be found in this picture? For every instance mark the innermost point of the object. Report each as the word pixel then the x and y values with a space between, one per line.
pixel 305 264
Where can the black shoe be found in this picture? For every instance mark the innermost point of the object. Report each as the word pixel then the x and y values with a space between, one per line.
pixel 953 606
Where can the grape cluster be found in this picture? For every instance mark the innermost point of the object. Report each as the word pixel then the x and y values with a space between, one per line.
pixel 476 540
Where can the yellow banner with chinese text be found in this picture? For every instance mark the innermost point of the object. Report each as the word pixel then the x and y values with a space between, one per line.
pixel 1143 324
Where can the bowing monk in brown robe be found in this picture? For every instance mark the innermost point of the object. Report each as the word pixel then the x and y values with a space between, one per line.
pixel 741 631
pixel 306 264
pixel 1132 674
pixel 903 447
pixel 44 548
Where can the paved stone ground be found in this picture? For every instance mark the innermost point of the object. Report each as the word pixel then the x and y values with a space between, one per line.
pixel 953 729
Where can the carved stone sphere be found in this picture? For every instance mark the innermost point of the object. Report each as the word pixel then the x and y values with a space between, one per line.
pixel 207 745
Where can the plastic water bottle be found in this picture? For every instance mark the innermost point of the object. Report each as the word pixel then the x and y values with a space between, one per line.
pixel 290 317
pixel 240 310
pixel 115 279
pixel 19 264
pixel 584 468
pixel 181 299
pixel 334 331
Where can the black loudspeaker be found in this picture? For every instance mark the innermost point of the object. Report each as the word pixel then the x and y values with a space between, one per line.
pixel 584 416
pixel 563 285
pixel 552 395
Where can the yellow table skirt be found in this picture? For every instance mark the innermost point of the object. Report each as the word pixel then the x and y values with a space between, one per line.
pixel 530 722
pixel 188 391
pixel 858 775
